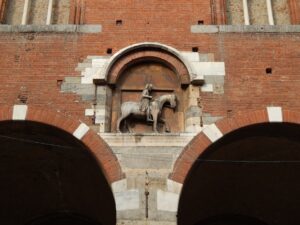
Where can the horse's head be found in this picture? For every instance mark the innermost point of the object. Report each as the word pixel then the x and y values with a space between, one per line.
pixel 173 99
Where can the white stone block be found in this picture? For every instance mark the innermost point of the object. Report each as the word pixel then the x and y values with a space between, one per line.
pixel 209 68
pixel 207 88
pixel 100 112
pixel 127 200
pixel 81 131
pixel 212 132
pixel 193 129
pixel 119 186
pixel 191 56
pixel 174 186
pixel 85 80
pixel 89 112
pixel 19 112
pixel 275 114
pixel 167 201
pixel 99 62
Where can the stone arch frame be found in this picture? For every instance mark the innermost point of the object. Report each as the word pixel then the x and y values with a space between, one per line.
pixel 150 52
pixel 119 66
pixel 146 45
pixel 105 158
pixel 215 131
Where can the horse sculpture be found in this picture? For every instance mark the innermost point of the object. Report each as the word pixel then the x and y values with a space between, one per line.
pixel 156 106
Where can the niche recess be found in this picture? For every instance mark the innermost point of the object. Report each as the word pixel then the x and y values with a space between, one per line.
pixel 128 77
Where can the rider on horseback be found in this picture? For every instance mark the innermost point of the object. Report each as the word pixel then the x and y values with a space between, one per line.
pixel 145 101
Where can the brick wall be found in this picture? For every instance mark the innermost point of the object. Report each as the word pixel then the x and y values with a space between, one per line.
pixel 34 64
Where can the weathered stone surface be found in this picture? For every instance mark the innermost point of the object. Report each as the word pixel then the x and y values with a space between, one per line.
pixel 245 29
pixel 51 28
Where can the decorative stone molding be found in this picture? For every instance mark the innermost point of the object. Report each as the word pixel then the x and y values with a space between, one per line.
pixel 211 29
pixel 51 28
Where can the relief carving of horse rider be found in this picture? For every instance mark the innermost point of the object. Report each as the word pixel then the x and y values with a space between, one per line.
pixel 145 101
pixel 147 108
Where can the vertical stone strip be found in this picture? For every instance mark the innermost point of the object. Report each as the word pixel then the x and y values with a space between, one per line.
pixel 19 112
pixel 275 114
pixel 25 12
pixel 49 13
pixel 270 12
pixel 246 12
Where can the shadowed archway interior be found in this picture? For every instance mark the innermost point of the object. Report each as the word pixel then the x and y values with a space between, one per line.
pixel 49 177
pixel 248 177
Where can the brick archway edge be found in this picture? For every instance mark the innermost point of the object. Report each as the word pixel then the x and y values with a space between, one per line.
pixel 214 132
pixel 97 147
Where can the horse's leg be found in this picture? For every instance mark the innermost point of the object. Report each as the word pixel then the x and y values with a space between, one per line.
pixel 119 123
pixel 123 116
pixel 154 115
pixel 166 125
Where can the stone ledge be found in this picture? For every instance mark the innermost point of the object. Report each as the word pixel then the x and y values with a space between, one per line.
pixel 210 29
pixel 69 28
pixel 147 139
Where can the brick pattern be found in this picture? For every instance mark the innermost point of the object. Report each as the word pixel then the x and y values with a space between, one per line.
pixel 201 142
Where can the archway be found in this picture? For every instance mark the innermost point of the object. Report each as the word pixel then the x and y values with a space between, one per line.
pixel 249 176
pixel 46 171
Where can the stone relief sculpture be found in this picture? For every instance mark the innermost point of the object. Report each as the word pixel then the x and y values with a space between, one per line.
pixel 148 109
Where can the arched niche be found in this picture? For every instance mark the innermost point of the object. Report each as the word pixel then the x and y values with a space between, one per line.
pixel 168 75
pixel 249 176
pixel 47 171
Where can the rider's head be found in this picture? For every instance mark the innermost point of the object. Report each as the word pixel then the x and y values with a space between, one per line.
pixel 149 87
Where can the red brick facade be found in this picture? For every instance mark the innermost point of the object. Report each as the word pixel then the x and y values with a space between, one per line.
pixel 36 63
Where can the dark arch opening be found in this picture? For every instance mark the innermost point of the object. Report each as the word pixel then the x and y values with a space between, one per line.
pixel 49 177
pixel 252 172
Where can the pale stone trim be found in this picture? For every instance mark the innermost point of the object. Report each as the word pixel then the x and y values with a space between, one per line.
pixel 207 88
pixel 127 200
pixel 209 68
pixel 167 201
pixel 25 12
pixel 89 112
pixel 212 132
pixel 147 139
pixel 270 12
pixel 212 29
pixel 246 12
pixel 49 13
pixel 19 112
pixel 119 186
pixel 275 114
pixel 81 131
pixel 174 186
